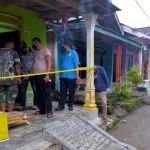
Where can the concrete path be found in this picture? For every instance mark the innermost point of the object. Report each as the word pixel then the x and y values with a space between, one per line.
pixel 136 130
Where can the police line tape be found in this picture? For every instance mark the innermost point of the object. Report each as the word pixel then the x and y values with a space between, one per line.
pixel 43 73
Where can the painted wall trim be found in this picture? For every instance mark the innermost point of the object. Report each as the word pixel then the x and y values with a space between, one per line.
pixel 117 36
pixel 107 32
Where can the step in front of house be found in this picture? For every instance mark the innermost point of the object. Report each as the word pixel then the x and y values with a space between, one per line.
pixel 40 145
pixel 22 136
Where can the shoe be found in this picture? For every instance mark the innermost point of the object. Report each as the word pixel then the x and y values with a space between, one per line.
pixel 59 108
pixel 70 108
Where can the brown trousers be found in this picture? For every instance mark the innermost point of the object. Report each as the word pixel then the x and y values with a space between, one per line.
pixel 103 97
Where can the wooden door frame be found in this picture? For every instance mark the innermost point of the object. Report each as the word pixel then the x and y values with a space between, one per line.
pixel 12 19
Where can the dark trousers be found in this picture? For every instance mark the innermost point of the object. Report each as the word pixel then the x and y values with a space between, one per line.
pixel 64 85
pixel 23 89
pixel 43 91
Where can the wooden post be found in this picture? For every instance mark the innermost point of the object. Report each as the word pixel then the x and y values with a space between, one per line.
pixel 137 58
pixel 118 60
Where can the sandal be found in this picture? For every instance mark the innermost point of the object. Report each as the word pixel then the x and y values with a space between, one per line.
pixel 108 119
pixel 49 115
pixel 21 108
pixel 34 107
pixel 38 113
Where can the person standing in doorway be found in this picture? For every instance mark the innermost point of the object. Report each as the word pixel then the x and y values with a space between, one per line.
pixel 27 57
pixel 43 83
pixel 69 60
pixel 101 88
pixel 9 66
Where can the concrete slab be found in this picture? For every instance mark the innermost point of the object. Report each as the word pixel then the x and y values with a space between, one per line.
pixel 24 135
pixel 90 115
pixel 146 99
pixel 77 133
pixel 39 144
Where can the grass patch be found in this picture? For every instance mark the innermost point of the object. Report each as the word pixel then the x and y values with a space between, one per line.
pixel 29 87
pixel 114 124
pixel 110 109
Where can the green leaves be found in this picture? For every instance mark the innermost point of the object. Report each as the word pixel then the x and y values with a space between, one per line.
pixel 133 76
pixel 121 90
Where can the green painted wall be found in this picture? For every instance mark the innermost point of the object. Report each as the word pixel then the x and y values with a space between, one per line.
pixel 107 58
pixel 108 61
pixel 57 59
pixel 96 57
pixel 33 25
pixel 5 30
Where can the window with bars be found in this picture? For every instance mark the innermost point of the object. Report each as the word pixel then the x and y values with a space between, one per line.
pixel 130 58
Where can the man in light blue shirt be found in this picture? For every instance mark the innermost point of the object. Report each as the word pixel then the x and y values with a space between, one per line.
pixel 69 60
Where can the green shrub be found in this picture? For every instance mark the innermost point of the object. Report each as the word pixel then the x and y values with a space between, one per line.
pixel 111 101
pixel 121 90
pixel 133 76
pixel 110 109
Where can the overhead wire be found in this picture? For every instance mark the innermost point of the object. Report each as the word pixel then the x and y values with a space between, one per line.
pixel 142 9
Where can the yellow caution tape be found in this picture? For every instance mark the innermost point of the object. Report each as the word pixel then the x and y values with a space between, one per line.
pixel 43 73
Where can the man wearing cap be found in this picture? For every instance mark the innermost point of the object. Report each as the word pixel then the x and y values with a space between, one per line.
pixel 69 60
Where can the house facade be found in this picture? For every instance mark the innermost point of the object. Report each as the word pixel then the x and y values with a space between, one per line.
pixel 112 50
pixel 141 35
pixel 95 28
pixel 25 23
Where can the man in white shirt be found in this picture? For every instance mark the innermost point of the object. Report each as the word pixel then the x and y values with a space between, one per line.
pixel 43 83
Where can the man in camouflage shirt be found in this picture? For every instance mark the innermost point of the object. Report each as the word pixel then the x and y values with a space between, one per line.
pixel 9 66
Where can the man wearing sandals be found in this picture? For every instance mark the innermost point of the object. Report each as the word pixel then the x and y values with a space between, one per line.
pixel 101 88
pixel 43 83
pixel 9 66
pixel 27 59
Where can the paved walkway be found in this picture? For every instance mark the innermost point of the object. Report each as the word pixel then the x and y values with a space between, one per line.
pixel 136 130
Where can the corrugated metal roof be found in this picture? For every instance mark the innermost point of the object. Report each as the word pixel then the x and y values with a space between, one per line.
pixel 55 9
pixel 145 30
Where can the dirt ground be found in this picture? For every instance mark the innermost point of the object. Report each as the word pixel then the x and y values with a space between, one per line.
pixel 136 130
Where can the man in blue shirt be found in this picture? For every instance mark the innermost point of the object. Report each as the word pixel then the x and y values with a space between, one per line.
pixel 69 60
pixel 101 88
pixel 27 59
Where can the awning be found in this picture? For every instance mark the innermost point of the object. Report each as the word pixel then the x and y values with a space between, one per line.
pixel 106 34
